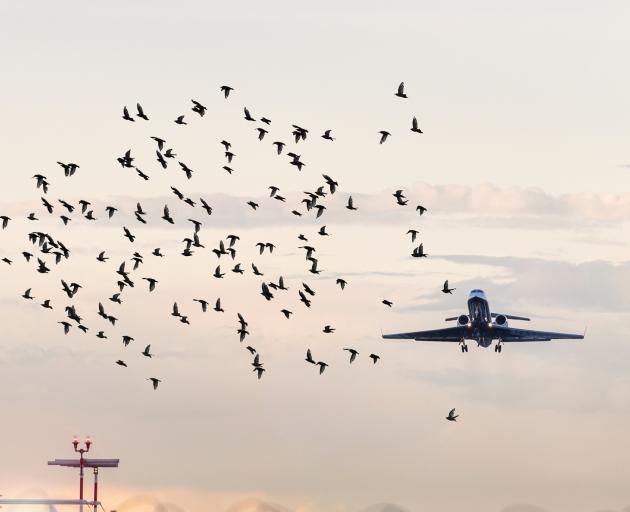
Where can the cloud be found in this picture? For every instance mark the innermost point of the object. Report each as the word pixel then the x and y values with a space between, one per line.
pixel 385 507
pixel 589 286
pixel 256 505
pixel 486 204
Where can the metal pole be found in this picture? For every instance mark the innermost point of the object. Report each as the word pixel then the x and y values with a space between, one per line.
pixel 81 481
pixel 95 488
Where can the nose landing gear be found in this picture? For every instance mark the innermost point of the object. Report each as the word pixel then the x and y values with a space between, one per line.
pixel 498 347
pixel 463 346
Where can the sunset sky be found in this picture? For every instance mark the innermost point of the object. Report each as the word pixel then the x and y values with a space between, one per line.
pixel 524 166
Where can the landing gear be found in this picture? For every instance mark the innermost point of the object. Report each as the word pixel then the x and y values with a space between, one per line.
pixel 464 347
pixel 498 347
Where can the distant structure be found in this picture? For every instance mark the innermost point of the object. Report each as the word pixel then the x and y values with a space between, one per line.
pixel 80 463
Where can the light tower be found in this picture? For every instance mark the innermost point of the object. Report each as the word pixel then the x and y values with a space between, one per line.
pixel 80 463
pixel 81 451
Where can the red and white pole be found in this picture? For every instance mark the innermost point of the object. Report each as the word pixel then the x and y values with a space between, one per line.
pixel 81 481
pixel 95 488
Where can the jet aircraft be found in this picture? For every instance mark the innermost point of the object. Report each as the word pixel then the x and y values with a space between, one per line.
pixel 482 326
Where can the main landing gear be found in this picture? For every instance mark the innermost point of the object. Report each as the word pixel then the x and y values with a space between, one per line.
pixel 463 346
pixel 498 346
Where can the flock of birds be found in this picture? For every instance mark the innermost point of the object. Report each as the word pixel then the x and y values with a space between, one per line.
pixel 49 246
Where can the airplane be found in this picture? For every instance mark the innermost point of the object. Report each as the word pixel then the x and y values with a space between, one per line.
pixel 482 326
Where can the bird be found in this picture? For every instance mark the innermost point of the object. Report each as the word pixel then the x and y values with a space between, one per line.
pixel 66 327
pixel 147 351
pixel 341 282
pixel 327 135
pixel 128 234
pixel 199 108
pixel 154 381
pixel 261 133
pixel 217 306
pixel 279 146
pixel 421 209
pixel 374 358
pixel 413 233
pixel 5 221
pixel 160 142
pixel 166 216
pixel 187 170
pixel 126 115
pixel 46 304
pixel 328 329
pixel 260 371
pixel 388 303
pixel 126 340
pixel 226 89
pixel 204 304
pixel 141 113
pixel 322 366
pixel 175 311
pixel 414 126
pixel 251 349
pixel 180 120
pixel 418 252
pixel 350 205
pixel 452 416
pixel 308 289
pixel 27 295
pixel 161 160
pixel 206 206
pixel 266 293
pixel 252 204
pixel 286 313
pixel 384 135
pixel 101 257
pixel 446 289
pixel 120 362
pixel 309 357
pixel 248 116
pixel 217 272
pixel 353 354
pixel 401 90
pixel 152 282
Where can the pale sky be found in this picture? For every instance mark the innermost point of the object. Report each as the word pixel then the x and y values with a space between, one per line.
pixel 523 165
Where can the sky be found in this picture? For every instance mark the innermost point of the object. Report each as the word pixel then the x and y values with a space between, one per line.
pixel 523 166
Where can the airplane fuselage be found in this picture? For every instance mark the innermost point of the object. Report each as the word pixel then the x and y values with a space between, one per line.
pixel 479 323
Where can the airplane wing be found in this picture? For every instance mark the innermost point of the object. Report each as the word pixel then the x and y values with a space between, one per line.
pixel 511 317
pixel 508 334
pixel 446 334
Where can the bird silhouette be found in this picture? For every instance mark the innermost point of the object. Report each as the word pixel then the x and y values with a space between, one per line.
pixel 452 416
pixel 446 289
pixel 353 354
pixel 401 90
pixel 384 135
pixel 155 382
pixel 141 113
pixel 414 126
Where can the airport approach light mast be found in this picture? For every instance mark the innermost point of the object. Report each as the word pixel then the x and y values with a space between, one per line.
pixel 80 463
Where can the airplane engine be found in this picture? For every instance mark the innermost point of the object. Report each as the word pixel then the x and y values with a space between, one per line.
pixel 501 320
pixel 462 320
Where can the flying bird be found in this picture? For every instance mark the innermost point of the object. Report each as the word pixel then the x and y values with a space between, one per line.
pixel 384 135
pixel 452 416
pixel 446 289
pixel 401 90
pixel 414 126
pixel 353 354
